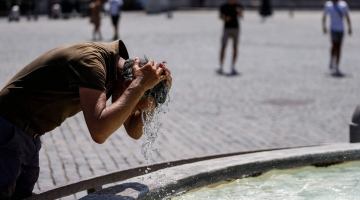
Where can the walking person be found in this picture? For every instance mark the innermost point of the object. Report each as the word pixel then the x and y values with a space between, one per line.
pixel 115 12
pixel 337 10
pixel 95 17
pixel 61 83
pixel 229 13
pixel 265 9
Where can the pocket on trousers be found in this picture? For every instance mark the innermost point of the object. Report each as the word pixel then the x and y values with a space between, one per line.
pixel 9 141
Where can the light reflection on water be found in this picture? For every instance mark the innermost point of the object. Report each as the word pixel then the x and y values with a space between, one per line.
pixel 341 182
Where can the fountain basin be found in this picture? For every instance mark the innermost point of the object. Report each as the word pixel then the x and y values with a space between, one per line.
pixel 173 180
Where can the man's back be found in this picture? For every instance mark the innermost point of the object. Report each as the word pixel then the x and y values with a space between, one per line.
pixel 336 11
pixel 115 7
pixel 45 92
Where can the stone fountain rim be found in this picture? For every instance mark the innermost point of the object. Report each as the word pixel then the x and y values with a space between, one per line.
pixel 173 180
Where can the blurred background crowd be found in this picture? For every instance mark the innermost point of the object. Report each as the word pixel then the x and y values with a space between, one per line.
pixel 72 8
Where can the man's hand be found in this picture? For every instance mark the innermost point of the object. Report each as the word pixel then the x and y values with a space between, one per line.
pixel 167 74
pixel 149 75
pixel 227 18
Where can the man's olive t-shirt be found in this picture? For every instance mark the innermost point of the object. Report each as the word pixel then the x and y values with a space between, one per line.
pixel 45 92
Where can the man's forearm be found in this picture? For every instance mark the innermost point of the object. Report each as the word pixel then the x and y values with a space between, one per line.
pixel 120 110
pixel 103 120
pixel 348 22
pixel 324 22
pixel 134 124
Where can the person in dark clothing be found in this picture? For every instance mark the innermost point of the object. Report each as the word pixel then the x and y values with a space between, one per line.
pixel 229 13
pixel 265 8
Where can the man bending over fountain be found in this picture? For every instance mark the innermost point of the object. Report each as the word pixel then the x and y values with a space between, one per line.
pixel 61 83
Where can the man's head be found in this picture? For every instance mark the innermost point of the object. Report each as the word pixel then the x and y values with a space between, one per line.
pixel 231 1
pixel 159 92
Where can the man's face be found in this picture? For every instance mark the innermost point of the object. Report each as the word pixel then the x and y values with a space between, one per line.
pixel 232 1
pixel 335 1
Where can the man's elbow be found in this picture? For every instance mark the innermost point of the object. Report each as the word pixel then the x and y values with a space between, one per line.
pixel 98 136
pixel 98 140
pixel 134 135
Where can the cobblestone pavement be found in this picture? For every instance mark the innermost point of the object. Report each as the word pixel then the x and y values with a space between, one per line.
pixel 283 97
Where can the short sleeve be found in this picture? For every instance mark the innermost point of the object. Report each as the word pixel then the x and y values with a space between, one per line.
pixel 326 8
pixel 87 71
pixel 346 8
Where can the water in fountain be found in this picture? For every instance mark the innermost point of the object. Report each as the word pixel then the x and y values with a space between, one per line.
pixel 335 182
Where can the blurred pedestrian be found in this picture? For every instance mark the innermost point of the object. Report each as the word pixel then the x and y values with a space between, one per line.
pixel 229 13
pixel 337 10
pixel 115 12
pixel 265 9
pixel 95 17
pixel 31 9
pixel 67 8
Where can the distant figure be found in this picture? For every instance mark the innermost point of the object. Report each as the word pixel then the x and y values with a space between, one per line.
pixel 229 13
pixel 67 8
pixel 337 10
pixel 56 11
pixel 115 12
pixel 14 13
pixel 30 9
pixel 95 17
pixel 265 8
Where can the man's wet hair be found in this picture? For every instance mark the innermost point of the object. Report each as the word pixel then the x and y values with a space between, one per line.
pixel 159 92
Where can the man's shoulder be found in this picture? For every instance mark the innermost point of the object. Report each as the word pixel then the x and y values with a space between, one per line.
pixel 343 4
pixel 329 4
pixel 240 5
pixel 223 5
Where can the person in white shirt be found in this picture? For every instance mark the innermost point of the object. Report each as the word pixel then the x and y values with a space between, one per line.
pixel 337 10
pixel 115 12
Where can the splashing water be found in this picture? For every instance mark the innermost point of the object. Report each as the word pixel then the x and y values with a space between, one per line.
pixel 150 119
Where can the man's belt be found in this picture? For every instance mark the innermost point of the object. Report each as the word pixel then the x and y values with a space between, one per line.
pixel 25 126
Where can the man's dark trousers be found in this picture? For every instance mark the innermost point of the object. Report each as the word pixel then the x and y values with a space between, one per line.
pixel 19 161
